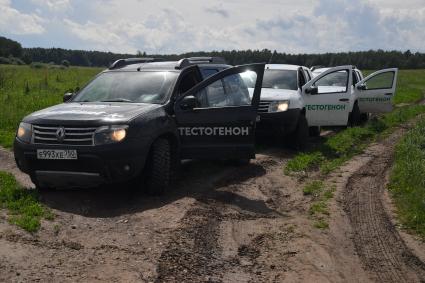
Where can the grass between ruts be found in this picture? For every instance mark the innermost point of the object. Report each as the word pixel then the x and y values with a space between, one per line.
pixel 407 183
pixel 320 195
pixel 342 146
pixel 24 209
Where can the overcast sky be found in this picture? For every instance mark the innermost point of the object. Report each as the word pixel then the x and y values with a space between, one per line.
pixel 170 26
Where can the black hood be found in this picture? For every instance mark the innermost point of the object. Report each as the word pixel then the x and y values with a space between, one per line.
pixel 90 113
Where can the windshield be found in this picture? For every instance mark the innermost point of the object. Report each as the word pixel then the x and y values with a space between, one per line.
pixel 280 79
pixel 136 87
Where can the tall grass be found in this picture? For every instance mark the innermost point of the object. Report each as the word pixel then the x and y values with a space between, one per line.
pixel 408 179
pixel 337 149
pixel 24 90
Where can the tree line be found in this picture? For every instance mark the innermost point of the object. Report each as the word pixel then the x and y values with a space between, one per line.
pixel 372 59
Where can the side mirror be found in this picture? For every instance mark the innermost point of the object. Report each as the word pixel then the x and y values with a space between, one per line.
pixel 188 102
pixel 362 87
pixel 67 96
pixel 313 90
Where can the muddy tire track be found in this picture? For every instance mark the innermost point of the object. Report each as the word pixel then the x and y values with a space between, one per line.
pixel 379 245
pixel 194 253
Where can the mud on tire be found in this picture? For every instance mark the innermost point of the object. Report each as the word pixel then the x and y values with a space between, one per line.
pixel 159 167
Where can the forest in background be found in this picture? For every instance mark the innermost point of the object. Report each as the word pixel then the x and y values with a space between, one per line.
pixel 11 52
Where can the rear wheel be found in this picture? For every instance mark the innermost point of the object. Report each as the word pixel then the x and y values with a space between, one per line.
pixel 301 133
pixel 314 131
pixel 159 168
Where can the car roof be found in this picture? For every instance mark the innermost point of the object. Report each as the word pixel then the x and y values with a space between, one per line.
pixel 282 67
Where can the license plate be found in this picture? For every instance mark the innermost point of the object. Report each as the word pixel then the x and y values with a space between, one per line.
pixel 56 154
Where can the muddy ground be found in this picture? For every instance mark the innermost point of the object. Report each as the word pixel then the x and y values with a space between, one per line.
pixel 220 223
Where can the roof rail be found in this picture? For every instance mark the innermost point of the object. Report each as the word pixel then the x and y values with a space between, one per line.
pixel 124 62
pixel 183 63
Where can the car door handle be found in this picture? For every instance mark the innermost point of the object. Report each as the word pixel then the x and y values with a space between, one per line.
pixel 390 93
pixel 344 99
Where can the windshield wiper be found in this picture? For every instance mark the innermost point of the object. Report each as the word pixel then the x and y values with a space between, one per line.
pixel 117 100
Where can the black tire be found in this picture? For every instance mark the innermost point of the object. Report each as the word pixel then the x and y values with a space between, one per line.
pixel 159 167
pixel 39 186
pixel 239 162
pixel 300 136
pixel 314 131
pixel 355 115
pixel 364 117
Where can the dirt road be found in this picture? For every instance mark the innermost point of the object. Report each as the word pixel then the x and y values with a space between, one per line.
pixel 219 223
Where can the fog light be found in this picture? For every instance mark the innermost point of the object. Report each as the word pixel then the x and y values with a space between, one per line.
pixel 127 168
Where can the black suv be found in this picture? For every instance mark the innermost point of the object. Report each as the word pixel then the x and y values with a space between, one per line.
pixel 141 117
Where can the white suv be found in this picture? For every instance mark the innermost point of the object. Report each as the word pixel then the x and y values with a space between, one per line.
pixel 281 109
pixel 294 103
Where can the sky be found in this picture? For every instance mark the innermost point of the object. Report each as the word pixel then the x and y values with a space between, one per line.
pixel 166 26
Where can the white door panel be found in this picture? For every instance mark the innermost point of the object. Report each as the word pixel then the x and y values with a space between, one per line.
pixel 375 93
pixel 328 99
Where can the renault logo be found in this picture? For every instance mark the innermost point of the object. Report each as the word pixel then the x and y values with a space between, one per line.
pixel 60 134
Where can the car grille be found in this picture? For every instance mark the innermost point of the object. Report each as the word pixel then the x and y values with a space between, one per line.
pixel 264 106
pixel 71 135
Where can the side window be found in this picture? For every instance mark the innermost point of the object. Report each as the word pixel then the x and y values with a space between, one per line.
pixel 307 75
pixel 188 81
pixel 359 75
pixel 229 91
pixel 208 72
pixel 381 81
pixel 355 78
pixel 301 78
pixel 237 91
pixel 336 82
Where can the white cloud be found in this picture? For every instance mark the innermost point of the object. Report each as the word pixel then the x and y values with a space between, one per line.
pixel 168 26
pixel 14 22
pixel 53 5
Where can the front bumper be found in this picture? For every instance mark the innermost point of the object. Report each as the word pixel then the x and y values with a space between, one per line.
pixel 95 165
pixel 279 123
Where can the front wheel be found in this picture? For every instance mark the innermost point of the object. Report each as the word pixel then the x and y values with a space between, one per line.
pixel 159 167
pixel 301 133
pixel 355 116
pixel 314 131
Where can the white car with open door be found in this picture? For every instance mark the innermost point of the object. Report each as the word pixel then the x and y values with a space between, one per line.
pixel 281 110
pixel 334 98
pixel 377 101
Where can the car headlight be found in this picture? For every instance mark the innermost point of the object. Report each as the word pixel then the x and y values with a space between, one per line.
pixel 110 134
pixel 279 106
pixel 24 132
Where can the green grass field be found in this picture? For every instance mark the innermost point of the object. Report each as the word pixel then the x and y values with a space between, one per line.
pixel 407 179
pixel 24 90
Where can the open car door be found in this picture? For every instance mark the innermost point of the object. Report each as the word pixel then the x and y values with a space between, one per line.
pixel 216 118
pixel 376 92
pixel 328 97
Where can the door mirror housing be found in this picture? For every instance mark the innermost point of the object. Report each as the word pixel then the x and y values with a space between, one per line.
pixel 67 96
pixel 313 90
pixel 188 102
pixel 362 87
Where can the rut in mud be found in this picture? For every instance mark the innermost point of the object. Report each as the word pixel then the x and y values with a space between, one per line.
pixel 378 243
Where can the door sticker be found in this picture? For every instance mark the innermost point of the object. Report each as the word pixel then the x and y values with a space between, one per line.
pixel 375 99
pixel 326 107
pixel 214 131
